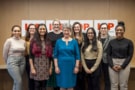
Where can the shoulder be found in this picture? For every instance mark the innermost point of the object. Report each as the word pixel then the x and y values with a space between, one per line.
pixel 128 40
pixel 59 40
pixel 22 40
pixel 74 40
pixel 9 40
pixel 111 37
pixel 49 34
pixel 99 42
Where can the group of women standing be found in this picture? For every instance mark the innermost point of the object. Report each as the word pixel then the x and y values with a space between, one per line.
pixel 67 59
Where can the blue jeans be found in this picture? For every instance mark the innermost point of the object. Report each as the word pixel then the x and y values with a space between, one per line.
pixel 16 66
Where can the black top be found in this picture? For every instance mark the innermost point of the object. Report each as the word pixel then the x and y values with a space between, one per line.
pixel 122 48
pixel 54 37
pixel 103 40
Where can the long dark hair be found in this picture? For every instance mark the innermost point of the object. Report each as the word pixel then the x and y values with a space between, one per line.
pixel 27 37
pixel 37 40
pixel 87 42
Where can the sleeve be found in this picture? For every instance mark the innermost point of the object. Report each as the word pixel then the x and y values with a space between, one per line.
pixel 55 51
pixel 83 60
pixel 77 51
pixel 99 56
pixel 130 54
pixel 109 53
pixel 6 49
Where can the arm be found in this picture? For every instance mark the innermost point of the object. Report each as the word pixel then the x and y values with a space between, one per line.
pixel 83 61
pixel 99 56
pixel 109 53
pixel 31 57
pixel 77 57
pixel 130 54
pixel 6 49
pixel 57 70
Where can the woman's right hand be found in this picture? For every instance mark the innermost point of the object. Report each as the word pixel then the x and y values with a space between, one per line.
pixel 115 68
pixel 88 71
pixel 33 71
pixel 57 70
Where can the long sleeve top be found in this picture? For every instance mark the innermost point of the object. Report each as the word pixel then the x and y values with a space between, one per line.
pixel 90 55
pixel 105 42
pixel 13 47
pixel 122 48
pixel 54 37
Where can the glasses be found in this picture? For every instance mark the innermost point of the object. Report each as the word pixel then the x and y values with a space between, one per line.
pixel 104 28
pixel 31 28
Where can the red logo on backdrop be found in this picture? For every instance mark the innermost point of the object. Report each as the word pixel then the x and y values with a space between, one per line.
pixel 110 25
pixel 26 26
pixel 85 26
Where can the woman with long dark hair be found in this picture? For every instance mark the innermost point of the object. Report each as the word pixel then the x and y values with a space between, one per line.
pixel 40 55
pixel 91 55
pixel 29 35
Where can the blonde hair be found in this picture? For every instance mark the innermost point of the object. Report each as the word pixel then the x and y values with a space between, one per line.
pixel 56 20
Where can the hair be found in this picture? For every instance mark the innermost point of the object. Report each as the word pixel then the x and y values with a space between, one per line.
pixel 56 20
pixel 27 37
pixel 37 35
pixel 80 32
pixel 36 40
pixel 120 24
pixel 99 33
pixel 12 29
pixel 87 42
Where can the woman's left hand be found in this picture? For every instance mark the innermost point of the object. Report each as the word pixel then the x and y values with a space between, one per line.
pixel 76 70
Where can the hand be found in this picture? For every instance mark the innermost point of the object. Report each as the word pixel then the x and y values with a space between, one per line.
pixel 116 68
pixel 88 71
pixel 50 71
pixel 57 70
pixel 76 70
pixel 119 67
pixel 33 71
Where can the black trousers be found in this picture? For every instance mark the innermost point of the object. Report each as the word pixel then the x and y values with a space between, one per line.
pixel 94 78
pixel 40 85
pixel 30 81
pixel 105 71
pixel 81 79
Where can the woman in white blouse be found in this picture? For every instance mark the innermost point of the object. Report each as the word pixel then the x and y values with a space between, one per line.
pixel 13 53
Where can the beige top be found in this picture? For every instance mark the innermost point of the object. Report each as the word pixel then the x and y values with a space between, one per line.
pixel 92 55
pixel 13 47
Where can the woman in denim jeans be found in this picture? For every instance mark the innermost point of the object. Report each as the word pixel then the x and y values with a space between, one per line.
pixel 13 53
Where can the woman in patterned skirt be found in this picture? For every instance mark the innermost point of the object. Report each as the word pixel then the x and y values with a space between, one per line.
pixel 40 53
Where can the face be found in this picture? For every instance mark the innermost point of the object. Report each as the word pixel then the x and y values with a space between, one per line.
pixel 90 34
pixel 42 30
pixel 103 29
pixel 56 26
pixel 66 32
pixel 16 32
pixel 119 32
pixel 77 28
pixel 32 29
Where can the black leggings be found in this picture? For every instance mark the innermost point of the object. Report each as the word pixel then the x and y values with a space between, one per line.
pixel 40 85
